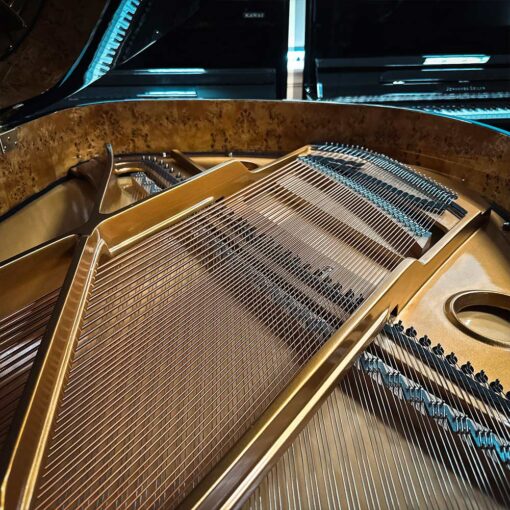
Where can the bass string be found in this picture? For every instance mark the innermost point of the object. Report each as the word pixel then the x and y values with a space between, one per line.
pixel 20 335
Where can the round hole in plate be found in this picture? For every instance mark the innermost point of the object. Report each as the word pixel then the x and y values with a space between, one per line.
pixel 484 315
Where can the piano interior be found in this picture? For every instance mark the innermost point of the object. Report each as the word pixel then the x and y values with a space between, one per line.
pixel 254 304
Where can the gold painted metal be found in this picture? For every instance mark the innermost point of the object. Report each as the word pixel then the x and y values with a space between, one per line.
pixel 27 279
pixel 283 419
pixel 61 210
pixel 324 466
pixel 122 192
pixel 129 227
pixel 207 161
pixel 239 471
pixel 34 274
pixel 488 326
pixel 482 263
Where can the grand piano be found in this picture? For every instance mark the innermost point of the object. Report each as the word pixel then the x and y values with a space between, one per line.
pixel 448 57
pixel 237 303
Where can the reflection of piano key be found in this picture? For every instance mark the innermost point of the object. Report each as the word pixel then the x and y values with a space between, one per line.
pixel 112 40
pixel 471 113
pixel 486 106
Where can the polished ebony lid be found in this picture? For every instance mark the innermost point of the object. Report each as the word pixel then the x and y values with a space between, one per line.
pixel 49 49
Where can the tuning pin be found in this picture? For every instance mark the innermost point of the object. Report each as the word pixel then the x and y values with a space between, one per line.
pixel 481 377
pixel 425 341
pixel 411 332
pixel 451 358
pixel 467 368
pixel 438 350
pixel 496 386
